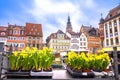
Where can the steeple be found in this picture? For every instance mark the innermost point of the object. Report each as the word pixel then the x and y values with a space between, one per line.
pixel 101 20
pixel 69 26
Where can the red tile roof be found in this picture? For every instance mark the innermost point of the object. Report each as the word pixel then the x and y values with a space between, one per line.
pixel 33 29
pixel 113 12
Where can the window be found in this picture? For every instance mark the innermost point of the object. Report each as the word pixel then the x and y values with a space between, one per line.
pixel 119 20
pixel 84 39
pixel 107 42
pixel 106 32
pixel 28 44
pixel 84 44
pixel 29 32
pixel 110 24
pixel 22 45
pixel 38 37
pixel 105 26
pixel 118 12
pixel 116 40
pixel 111 41
pixel 33 45
pixel 22 32
pixel 38 46
pixel 81 44
pixel 115 29
pixel 110 30
pixel 80 39
pixel 14 38
pixel 10 31
pixel 31 29
pixel 29 37
pixel 22 38
pixel 15 32
pixel 38 33
pixel 115 23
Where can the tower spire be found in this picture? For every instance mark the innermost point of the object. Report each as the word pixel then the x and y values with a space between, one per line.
pixel 69 26
pixel 101 20
pixel 68 18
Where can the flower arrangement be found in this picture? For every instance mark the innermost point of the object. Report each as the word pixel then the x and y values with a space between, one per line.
pixel 31 58
pixel 88 61
pixel 14 61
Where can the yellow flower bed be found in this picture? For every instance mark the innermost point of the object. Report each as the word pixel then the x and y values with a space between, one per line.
pixel 88 61
pixel 31 58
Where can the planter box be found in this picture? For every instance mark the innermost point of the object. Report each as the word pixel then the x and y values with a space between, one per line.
pixel 80 74
pixel 47 74
pixel 29 75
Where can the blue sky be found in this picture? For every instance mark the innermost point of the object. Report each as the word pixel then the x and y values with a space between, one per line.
pixel 52 14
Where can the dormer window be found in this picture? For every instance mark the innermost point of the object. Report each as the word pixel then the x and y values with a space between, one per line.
pixel 2 33
pixel 118 12
pixel 15 32
pixel 31 29
pixel 29 32
pixel 35 29
pixel 110 15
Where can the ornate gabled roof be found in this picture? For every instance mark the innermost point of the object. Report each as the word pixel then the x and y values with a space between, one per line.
pixel 60 32
pixel 54 35
pixel 85 28
pixel 89 31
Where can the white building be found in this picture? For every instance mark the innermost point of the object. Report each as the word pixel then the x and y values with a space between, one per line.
pixel 112 28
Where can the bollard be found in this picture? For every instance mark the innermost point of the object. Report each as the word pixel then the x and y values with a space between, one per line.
pixel 116 63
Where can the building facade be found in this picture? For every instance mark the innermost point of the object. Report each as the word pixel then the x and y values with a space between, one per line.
pixel 92 37
pixel 112 28
pixel 16 37
pixel 3 38
pixel 101 31
pixel 34 35
pixel 58 41
pixel 78 42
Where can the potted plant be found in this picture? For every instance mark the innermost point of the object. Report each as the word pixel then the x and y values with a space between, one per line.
pixel 47 59
pixel 37 61
pixel 14 61
pixel 26 62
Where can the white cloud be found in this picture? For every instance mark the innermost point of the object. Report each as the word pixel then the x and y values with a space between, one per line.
pixel 41 12
pixel 43 9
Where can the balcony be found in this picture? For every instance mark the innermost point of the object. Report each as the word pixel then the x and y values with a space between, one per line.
pixel 115 24
pixel 111 35
pixel 106 27
pixel 116 33
pixel 106 36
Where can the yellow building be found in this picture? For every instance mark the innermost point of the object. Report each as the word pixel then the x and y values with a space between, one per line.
pixel 58 41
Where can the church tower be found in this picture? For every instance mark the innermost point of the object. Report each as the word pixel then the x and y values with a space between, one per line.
pixel 69 26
